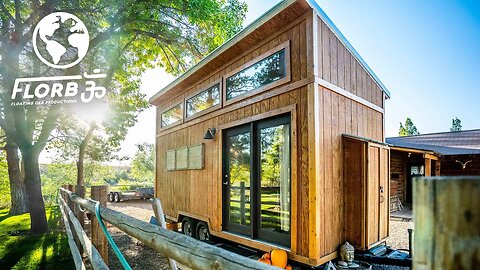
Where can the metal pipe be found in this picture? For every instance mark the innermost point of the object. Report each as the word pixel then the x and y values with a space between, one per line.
pixel 410 243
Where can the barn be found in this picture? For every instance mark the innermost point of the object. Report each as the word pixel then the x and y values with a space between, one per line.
pixel 436 154
pixel 276 139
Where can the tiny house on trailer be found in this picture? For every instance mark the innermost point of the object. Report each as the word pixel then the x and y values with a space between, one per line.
pixel 275 139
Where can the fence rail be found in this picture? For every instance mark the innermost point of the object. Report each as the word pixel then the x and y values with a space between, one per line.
pixel 183 249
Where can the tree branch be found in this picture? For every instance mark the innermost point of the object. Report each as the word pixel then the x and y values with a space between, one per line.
pixel 48 126
pixel 4 9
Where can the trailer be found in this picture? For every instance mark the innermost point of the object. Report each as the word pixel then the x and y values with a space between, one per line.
pixel 132 193
pixel 276 140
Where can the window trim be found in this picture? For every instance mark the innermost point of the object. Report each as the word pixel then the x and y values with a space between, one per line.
pixel 287 78
pixel 178 122
pixel 203 89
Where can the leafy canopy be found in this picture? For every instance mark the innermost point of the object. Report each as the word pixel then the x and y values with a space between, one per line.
pixel 408 129
pixel 143 163
pixel 456 125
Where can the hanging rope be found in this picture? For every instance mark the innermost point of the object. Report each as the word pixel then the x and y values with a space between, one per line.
pixel 110 239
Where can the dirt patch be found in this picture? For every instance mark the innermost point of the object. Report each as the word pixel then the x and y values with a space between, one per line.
pixel 136 253
pixel 141 257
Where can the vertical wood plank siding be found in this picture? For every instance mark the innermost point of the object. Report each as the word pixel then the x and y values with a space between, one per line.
pixel 320 118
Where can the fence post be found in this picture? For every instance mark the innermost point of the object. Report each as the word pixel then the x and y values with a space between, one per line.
pixel 243 219
pixel 80 191
pixel 99 240
pixel 69 202
pixel 447 222
pixel 158 211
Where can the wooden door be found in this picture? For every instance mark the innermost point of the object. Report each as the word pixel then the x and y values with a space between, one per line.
pixel 378 193
pixel 384 213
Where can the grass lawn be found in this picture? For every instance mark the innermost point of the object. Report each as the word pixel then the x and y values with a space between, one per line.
pixel 20 250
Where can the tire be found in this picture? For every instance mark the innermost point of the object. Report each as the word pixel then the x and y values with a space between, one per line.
pixel 116 197
pixel 203 233
pixel 189 227
pixel 110 197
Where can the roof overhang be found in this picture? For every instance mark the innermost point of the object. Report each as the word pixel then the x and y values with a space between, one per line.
pixel 415 150
pixel 270 14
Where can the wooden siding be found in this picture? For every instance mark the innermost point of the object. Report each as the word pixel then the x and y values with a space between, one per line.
pixel 449 166
pixel 320 116
pixel 398 170
pixel 204 186
pixel 338 66
pixel 338 115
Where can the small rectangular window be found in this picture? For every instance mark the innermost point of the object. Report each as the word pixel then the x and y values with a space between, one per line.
pixel 195 157
pixel 181 156
pixel 171 160
pixel 204 100
pixel 172 115
pixel 266 71
pixel 186 158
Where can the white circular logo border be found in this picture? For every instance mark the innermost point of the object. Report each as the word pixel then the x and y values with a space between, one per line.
pixel 37 52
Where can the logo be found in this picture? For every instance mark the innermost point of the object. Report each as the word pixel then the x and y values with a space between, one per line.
pixel 60 40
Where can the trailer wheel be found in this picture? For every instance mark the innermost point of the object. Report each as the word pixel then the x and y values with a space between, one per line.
pixel 188 227
pixel 116 197
pixel 203 234
pixel 110 197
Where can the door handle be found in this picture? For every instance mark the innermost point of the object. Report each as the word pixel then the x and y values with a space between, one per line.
pixel 225 183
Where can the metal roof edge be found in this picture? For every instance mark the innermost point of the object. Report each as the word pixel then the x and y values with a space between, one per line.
pixel 227 44
pixel 346 43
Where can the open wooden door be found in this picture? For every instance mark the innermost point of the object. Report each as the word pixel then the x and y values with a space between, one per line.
pixel 367 191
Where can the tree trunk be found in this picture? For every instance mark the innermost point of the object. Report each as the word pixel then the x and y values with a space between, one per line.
pixel 17 182
pixel 34 190
pixel 81 156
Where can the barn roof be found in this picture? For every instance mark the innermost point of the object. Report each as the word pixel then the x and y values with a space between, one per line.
pixel 446 143
pixel 274 11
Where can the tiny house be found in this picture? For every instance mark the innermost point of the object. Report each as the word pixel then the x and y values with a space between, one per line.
pixel 275 139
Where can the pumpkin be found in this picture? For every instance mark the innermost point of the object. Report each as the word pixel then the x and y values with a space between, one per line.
pixel 265 260
pixel 288 267
pixel 279 258
pixel 266 256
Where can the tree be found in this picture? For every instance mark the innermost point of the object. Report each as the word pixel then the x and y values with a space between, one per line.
pixel 127 37
pixel 143 163
pixel 456 125
pixel 16 178
pixel 408 129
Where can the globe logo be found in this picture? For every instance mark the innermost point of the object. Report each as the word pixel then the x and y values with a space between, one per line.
pixel 60 40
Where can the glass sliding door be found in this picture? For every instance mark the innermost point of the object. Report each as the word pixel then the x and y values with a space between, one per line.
pixel 236 180
pixel 274 177
pixel 256 182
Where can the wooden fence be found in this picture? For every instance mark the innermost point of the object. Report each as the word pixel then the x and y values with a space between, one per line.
pixel 447 223
pixel 183 249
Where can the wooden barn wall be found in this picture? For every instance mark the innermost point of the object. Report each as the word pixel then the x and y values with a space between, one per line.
pixel 338 115
pixel 398 174
pixel 450 167
pixel 338 66
pixel 199 191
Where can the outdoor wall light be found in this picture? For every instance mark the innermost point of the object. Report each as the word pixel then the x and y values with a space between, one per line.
pixel 210 134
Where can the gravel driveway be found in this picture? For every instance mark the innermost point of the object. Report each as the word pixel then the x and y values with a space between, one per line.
pixel 141 257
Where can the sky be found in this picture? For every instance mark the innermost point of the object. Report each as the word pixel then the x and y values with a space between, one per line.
pixel 427 53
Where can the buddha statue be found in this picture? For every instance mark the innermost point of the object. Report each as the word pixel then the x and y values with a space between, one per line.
pixel 347 254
